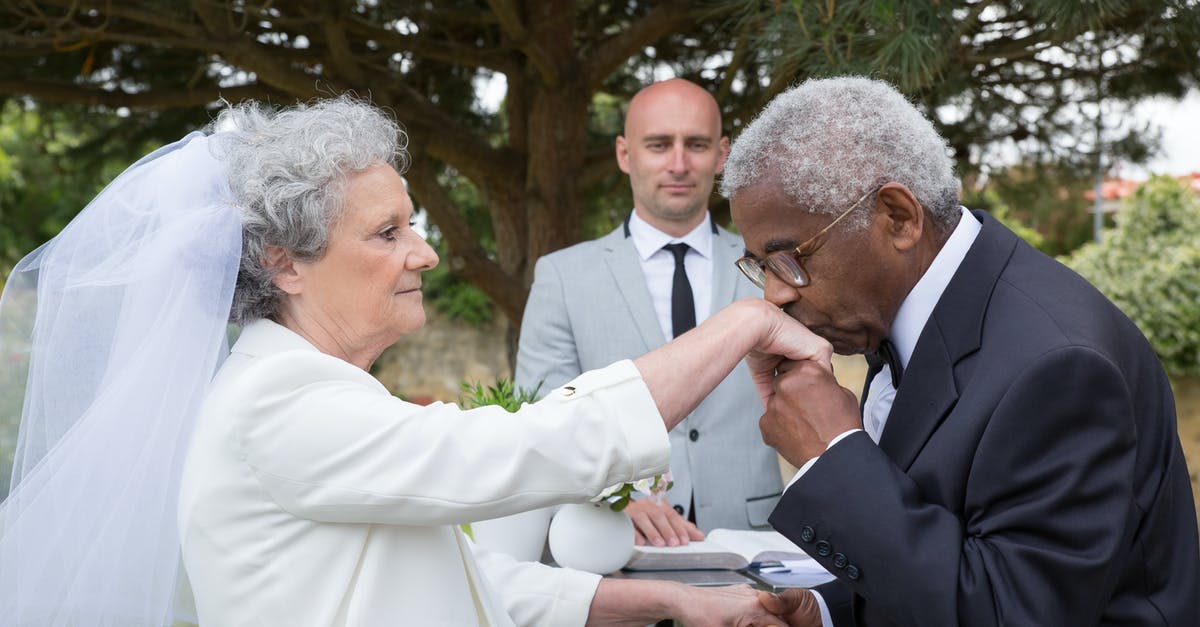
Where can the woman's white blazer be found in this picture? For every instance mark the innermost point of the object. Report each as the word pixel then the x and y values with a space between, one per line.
pixel 312 496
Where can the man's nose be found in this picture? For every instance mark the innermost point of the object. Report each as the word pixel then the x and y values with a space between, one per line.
pixel 779 292
pixel 679 159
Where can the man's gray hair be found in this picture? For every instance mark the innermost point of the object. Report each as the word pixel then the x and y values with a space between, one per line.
pixel 829 141
pixel 288 171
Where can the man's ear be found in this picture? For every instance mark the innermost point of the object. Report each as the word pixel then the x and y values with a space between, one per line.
pixel 622 149
pixel 903 216
pixel 723 147
pixel 287 277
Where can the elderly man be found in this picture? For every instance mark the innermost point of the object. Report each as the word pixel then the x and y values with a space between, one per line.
pixel 654 277
pixel 1016 460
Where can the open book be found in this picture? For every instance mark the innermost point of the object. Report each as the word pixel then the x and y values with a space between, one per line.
pixel 766 556
pixel 729 549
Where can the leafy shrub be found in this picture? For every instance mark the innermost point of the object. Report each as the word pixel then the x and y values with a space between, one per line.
pixel 455 297
pixel 503 393
pixel 1149 265
pixel 988 200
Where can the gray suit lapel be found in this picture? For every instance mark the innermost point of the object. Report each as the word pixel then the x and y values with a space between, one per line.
pixel 623 261
pixel 727 249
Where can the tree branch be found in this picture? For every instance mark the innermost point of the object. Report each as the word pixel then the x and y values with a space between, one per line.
pixel 510 22
pixel 421 45
pixel 339 50
pixel 467 258
pixel 661 21
pixel 598 166
pixel 46 91
pixel 443 137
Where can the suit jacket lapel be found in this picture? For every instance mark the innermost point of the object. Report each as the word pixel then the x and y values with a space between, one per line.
pixel 727 249
pixel 623 261
pixel 954 331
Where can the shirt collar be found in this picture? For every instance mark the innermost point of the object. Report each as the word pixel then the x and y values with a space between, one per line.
pixel 264 337
pixel 649 240
pixel 918 305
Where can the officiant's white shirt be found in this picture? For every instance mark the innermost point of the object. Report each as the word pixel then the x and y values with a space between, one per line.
pixel 312 496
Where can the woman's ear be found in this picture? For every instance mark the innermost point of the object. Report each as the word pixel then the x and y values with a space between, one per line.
pixel 903 216
pixel 278 261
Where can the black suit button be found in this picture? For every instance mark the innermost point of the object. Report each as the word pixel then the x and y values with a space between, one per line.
pixel 839 560
pixel 824 548
pixel 679 510
pixel 853 572
pixel 807 534
pixel 693 435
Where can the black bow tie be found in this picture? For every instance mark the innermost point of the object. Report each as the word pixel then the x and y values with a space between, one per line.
pixel 885 355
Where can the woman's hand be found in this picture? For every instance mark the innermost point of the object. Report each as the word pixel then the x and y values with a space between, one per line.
pixel 738 606
pixel 636 603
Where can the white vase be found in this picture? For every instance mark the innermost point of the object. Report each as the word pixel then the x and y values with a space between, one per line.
pixel 591 537
pixel 521 535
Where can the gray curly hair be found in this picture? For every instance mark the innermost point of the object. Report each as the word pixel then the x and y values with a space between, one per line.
pixel 829 141
pixel 287 172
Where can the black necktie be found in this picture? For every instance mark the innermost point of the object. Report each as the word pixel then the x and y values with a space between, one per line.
pixel 875 361
pixel 683 317
pixel 683 307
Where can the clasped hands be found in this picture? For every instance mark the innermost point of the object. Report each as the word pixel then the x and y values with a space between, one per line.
pixel 804 406
pixel 741 606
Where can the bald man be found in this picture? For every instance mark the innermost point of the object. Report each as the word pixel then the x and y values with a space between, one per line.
pixel 665 269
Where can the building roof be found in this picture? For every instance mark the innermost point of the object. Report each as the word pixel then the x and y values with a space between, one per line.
pixel 1118 189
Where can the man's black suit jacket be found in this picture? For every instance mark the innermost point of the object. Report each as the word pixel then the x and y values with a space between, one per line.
pixel 1030 472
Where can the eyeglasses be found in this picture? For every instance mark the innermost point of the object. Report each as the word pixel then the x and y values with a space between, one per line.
pixel 789 264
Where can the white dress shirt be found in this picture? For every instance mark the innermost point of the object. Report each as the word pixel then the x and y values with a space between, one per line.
pixel 313 496
pixel 910 320
pixel 659 267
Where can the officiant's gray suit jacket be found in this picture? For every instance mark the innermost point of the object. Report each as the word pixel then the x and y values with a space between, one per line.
pixel 589 306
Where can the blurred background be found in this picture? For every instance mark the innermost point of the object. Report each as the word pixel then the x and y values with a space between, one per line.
pixel 1074 122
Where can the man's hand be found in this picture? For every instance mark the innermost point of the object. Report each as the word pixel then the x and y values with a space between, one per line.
pixel 799 607
pixel 806 410
pixel 656 523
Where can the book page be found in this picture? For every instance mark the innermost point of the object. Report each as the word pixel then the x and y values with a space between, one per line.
pixel 694 555
pixel 755 546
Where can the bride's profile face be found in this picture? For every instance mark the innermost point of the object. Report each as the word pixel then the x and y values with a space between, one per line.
pixel 367 285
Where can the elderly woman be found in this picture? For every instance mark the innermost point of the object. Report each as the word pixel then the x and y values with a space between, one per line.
pixel 310 495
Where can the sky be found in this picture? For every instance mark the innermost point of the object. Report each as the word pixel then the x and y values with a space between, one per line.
pixel 1180 123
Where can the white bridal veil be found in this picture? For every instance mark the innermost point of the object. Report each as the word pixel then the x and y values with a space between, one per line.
pixel 120 322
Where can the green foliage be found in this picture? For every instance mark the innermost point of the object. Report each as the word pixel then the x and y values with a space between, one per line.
pixel 990 201
pixel 52 163
pixel 455 297
pixel 1149 265
pixel 1008 74
pixel 1046 196
pixel 450 293
pixel 509 184
pixel 503 393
